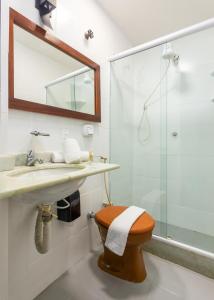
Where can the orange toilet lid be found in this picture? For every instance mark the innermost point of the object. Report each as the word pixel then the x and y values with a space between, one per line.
pixel 143 224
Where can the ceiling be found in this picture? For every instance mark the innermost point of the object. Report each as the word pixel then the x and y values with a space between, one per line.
pixel 144 20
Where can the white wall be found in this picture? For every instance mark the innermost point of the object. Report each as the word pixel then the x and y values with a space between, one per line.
pixel 29 272
pixel 3 120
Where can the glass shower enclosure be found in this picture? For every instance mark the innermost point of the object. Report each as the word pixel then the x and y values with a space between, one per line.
pixel 162 135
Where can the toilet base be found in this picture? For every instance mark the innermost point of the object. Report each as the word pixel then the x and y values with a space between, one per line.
pixel 128 267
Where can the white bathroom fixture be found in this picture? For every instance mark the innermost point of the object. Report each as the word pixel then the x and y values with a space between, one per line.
pixel 168 52
pixel 43 172
pixel 48 182
pixel 88 130
pixel 56 182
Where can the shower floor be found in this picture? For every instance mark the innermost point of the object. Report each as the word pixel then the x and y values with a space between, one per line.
pixel 185 236
pixel 165 280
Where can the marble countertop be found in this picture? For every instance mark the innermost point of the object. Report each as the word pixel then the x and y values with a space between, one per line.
pixel 11 184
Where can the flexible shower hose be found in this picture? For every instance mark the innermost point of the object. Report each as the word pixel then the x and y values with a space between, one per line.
pixel 144 117
pixel 105 181
pixel 106 190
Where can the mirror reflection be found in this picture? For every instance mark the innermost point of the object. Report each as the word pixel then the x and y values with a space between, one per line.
pixel 43 74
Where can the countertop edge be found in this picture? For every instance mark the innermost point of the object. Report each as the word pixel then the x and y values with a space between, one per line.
pixel 96 168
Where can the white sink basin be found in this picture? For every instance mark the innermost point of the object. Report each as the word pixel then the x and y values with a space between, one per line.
pixel 48 182
pixel 50 195
pixel 44 172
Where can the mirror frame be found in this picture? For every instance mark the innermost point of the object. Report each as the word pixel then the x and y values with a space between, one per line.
pixel 39 32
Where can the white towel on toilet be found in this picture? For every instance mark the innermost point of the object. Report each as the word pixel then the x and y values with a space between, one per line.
pixel 119 229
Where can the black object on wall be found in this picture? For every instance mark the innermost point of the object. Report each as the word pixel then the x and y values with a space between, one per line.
pixel 45 6
pixel 71 213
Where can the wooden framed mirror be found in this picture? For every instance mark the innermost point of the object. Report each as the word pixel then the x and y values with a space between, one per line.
pixel 48 76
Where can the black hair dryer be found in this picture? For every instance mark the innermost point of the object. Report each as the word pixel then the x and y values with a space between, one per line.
pixel 45 8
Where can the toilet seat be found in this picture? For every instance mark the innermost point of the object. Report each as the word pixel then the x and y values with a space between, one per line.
pixel 143 224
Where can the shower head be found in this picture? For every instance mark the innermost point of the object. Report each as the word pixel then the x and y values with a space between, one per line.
pixel 170 54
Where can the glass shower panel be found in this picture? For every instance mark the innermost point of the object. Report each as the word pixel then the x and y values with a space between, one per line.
pixel 190 142
pixel 75 93
pixel 137 138
pixel 84 93
pixel 62 94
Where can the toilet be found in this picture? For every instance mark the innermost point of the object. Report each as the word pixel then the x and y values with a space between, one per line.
pixel 131 265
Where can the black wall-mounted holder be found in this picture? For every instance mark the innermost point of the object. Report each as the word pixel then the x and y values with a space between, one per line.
pixel 45 8
pixel 73 211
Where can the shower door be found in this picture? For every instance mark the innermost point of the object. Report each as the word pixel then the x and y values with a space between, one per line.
pixel 137 138
pixel 190 142
pixel 162 135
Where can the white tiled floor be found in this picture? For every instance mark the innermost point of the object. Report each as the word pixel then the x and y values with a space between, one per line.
pixel 165 281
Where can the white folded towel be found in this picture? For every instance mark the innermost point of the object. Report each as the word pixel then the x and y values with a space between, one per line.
pixel 57 157
pixel 119 229
pixel 84 156
pixel 71 151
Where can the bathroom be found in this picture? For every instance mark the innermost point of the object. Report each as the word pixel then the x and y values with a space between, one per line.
pixel 159 154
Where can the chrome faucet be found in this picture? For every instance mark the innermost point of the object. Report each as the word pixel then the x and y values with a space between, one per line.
pixel 31 160
pixel 37 133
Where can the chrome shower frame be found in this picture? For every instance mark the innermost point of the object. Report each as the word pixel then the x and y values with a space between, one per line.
pixel 164 39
